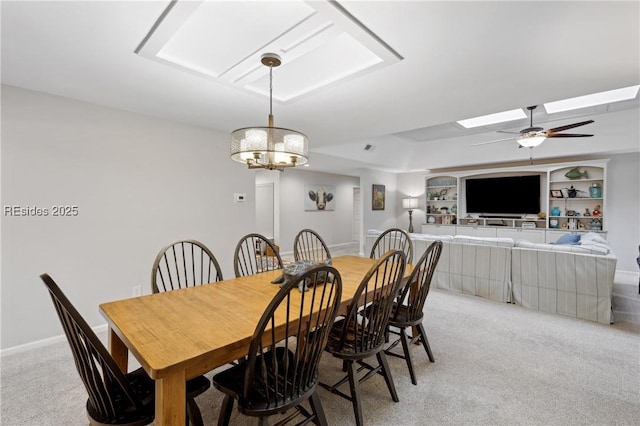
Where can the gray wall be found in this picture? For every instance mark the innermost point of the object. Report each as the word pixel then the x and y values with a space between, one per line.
pixel 139 183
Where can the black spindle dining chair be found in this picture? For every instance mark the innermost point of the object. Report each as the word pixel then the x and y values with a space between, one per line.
pixel 254 253
pixel 115 398
pixel 281 370
pixel 184 264
pixel 309 245
pixel 409 306
pixel 392 239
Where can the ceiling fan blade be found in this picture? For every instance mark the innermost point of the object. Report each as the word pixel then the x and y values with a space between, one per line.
pixel 567 135
pixel 569 126
pixel 495 141
pixel 504 131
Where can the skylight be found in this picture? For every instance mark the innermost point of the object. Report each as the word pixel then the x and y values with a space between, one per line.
pixel 499 117
pixel 607 97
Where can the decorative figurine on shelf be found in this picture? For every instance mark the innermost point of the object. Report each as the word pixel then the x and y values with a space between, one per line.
pixel 454 209
pixel 573 192
pixel 542 215
pixel 596 210
pixel 553 223
pixel 555 211
pixel 596 224
pixel 575 173
pixel 586 212
pixel 595 191
pixel 581 226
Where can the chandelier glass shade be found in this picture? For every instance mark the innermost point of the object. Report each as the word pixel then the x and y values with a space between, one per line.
pixel 272 148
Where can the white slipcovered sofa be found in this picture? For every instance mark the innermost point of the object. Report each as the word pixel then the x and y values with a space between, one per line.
pixel 573 280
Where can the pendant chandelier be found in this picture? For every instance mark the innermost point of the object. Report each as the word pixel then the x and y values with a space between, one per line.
pixel 272 148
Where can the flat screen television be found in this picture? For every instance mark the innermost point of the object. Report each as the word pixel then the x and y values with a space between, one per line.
pixel 509 195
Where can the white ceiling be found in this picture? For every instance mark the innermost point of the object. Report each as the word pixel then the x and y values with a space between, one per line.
pixel 439 62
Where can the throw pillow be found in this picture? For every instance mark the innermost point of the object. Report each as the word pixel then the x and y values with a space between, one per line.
pixel 569 239
pixel 592 236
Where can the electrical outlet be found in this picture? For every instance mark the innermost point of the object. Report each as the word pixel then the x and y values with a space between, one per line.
pixel 136 291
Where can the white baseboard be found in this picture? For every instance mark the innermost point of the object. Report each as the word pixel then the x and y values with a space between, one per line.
pixel 626 277
pixel 45 342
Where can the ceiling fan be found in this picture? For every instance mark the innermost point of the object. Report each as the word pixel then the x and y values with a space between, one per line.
pixel 531 137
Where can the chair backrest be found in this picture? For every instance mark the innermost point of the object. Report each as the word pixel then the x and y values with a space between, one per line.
pixel 183 264
pixel 414 294
pixel 283 368
pixel 254 254
pixel 369 312
pixel 392 239
pixel 309 245
pixel 110 393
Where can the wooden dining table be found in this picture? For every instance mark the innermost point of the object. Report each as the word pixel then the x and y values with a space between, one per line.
pixel 180 334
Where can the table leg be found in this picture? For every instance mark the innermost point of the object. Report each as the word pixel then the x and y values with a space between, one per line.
pixel 171 399
pixel 118 351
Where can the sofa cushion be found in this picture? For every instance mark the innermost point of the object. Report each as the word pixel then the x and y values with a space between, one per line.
pixel 484 241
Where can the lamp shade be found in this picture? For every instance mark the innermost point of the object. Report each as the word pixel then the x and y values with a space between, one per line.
pixel 409 203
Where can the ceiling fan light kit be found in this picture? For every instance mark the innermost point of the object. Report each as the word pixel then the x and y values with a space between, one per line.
pixel 532 137
pixel 271 148
pixel 530 141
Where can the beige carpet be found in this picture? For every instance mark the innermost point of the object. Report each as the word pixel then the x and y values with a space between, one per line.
pixel 496 364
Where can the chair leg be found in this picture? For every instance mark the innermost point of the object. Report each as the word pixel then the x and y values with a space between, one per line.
pixel 386 372
pixel 407 355
pixel 225 411
pixel 425 342
pixel 320 419
pixel 354 386
pixel 193 413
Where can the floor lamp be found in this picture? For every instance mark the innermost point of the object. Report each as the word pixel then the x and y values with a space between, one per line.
pixel 410 204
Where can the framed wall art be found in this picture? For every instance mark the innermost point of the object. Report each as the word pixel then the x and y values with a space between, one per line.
pixel 319 197
pixel 377 197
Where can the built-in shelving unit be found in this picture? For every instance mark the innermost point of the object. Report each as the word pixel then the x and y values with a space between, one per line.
pixel 576 198
pixel 441 199
pixel 573 199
